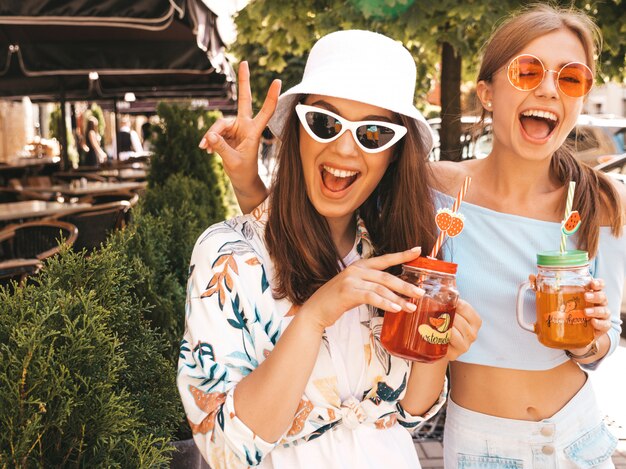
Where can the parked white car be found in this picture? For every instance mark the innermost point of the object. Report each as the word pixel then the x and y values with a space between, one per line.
pixel 598 139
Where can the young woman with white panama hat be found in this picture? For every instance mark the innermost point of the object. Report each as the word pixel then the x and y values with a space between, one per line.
pixel 281 364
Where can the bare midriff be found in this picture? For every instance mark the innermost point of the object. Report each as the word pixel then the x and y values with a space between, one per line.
pixel 515 394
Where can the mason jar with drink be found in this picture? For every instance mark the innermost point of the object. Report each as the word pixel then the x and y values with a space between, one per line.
pixel 560 286
pixel 424 334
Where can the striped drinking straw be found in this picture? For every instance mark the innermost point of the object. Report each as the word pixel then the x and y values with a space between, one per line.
pixel 568 209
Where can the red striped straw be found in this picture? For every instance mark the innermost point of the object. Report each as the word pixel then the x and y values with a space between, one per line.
pixel 455 207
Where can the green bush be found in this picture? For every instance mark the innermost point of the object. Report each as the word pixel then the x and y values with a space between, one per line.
pixel 189 206
pixel 179 132
pixel 159 242
pixel 176 151
pixel 84 380
pixel 147 243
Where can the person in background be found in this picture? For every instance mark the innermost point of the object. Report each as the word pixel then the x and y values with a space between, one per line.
pixel 94 154
pixel 127 138
pixel 281 364
pixel 148 136
pixel 268 140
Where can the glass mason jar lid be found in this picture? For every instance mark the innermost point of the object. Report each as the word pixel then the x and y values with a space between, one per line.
pixel 567 259
pixel 436 265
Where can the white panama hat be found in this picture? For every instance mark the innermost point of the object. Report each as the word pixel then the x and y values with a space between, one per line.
pixel 361 66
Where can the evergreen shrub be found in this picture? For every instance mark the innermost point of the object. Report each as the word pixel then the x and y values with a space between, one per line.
pixel 83 377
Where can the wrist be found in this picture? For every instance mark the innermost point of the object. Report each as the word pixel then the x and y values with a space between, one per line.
pixel 579 354
pixel 309 320
pixel 249 187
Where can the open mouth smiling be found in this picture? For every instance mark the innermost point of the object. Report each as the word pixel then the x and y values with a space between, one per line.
pixel 538 124
pixel 337 180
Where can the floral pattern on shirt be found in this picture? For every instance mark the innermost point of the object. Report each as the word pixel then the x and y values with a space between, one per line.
pixel 233 323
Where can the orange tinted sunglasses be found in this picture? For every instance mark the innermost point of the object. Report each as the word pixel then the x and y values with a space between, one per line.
pixel 526 72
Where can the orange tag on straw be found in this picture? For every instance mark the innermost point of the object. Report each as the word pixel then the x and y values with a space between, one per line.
pixel 448 221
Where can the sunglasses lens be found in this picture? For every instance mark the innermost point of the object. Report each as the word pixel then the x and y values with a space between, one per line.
pixel 575 80
pixel 374 136
pixel 525 72
pixel 323 125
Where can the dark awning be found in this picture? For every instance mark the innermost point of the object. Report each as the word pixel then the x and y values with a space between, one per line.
pixel 153 48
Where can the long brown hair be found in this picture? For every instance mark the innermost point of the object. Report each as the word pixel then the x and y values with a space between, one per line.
pixel 595 197
pixel 399 214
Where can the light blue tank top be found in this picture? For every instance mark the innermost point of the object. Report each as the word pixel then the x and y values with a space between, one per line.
pixel 496 252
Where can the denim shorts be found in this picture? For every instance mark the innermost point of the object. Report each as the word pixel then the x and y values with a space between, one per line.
pixel 574 437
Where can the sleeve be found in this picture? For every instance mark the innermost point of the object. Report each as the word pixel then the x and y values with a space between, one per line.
pixel 135 142
pixel 414 422
pixel 610 266
pixel 226 337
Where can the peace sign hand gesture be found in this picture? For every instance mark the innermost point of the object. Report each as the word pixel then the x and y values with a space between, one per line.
pixel 237 140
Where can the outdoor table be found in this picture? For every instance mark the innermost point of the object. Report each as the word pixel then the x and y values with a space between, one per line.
pixel 27 209
pixel 134 155
pixel 21 167
pixel 89 188
pixel 123 173
pixel 27 162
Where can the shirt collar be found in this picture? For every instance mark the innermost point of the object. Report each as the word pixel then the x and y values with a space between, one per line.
pixel 364 242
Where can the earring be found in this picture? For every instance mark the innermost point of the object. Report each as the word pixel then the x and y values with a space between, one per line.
pixel 488 104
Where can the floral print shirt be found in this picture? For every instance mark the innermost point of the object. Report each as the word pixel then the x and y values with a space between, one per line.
pixel 233 323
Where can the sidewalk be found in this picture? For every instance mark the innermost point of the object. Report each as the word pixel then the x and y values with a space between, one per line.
pixel 610 385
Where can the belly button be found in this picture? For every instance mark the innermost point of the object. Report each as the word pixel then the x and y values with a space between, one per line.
pixel 532 413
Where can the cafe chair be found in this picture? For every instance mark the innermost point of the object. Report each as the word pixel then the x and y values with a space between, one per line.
pixel 95 223
pixel 107 197
pixel 39 181
pixel 24 247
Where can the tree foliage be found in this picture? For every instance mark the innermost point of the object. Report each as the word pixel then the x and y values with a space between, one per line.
pixel 274 36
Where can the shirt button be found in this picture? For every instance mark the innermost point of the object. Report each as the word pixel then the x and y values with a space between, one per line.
pixel 547 431
pixel 547 450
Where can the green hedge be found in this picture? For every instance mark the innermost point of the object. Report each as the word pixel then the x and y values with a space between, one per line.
pixel 84 382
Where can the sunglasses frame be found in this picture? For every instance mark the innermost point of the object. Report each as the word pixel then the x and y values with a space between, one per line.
pixel 543 77
pixel 302 110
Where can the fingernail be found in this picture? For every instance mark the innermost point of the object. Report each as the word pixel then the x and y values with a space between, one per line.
pixel 417 291
pixel 411 306
pixel 416 249
pixel 212 138
pixel 202 143
pixel 589 311
pixel 396 307
pixel 588 296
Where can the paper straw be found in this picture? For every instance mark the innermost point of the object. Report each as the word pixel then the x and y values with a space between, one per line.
pixel 568 209
pixel 461 195
pixel 455 207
